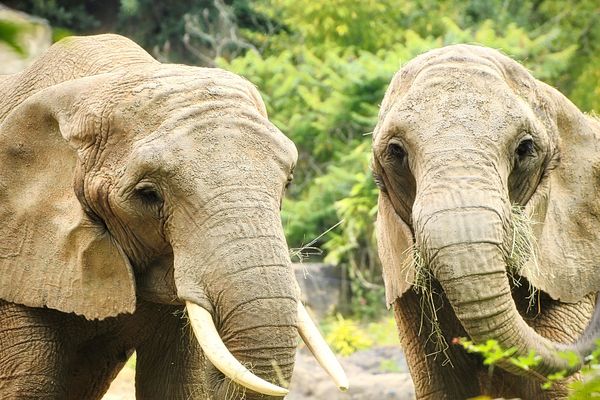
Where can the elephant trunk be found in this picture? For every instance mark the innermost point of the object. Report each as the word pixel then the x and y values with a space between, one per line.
pixel 235 275
pixel 462 236
pixel 256 314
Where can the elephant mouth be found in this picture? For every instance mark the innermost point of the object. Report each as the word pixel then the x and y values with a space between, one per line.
pixel 217 353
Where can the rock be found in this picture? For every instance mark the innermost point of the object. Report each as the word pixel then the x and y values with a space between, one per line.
pixel 322 287
pixel 35 37
pixel 367 380
pixel 379 360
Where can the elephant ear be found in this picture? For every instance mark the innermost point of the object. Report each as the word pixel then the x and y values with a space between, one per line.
pixel 52 254
pixel 569 230
pixel 394 241
pixel 394 237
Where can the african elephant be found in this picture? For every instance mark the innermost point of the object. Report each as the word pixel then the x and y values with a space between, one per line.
pixel 489 182
pixel 140 211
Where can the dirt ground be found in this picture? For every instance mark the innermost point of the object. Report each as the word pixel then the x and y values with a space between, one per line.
pixel 376 374
pixel 123 387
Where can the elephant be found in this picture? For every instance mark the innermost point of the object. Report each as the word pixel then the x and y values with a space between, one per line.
pixel 140 212
pixel 487 226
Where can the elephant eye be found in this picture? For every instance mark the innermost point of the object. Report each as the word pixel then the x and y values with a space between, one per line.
pixel 288 183
pixel 525 148
pixel 148 193
pixel 396 151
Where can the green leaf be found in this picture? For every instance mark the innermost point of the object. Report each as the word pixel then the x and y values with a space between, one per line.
pixel 525 363
pixel 9 34
pixel 571 357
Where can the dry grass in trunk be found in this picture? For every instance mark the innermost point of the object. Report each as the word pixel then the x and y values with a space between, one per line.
pixel 423 284
pixel 523 249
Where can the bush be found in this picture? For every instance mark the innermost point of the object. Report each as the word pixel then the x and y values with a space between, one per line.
pixel 492 354
pixel 347 335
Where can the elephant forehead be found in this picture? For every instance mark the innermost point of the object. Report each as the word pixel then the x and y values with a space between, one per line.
pixel 216 155
pixel 224 134
pixel 153 100
pixel 449 102
pixel 216 146
pixel 197 113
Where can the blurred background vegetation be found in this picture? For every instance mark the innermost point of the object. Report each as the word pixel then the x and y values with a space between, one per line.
pixel 323 67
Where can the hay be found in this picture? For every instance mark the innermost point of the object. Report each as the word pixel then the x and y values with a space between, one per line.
pixel 523 249
pixel 423 285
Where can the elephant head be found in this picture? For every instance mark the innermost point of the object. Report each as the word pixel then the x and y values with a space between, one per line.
pixel 465 137
pixel 123 178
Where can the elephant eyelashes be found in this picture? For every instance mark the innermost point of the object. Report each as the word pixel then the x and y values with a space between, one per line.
pixel 525 148
pixel 379 182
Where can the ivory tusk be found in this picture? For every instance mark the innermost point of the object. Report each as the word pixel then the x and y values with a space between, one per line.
pixel 215 350
pixel 317 345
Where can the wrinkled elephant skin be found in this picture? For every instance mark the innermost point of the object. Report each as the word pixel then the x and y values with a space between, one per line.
pixel 489 183
pixel 128 189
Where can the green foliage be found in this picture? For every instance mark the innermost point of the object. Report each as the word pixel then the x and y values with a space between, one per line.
pixel 362 24
pixel 586 389
pixel 353 245
pixel 321 207
pixel 346 335
pixel 324 94
pixel 60 33
pixel 573 25
pixel 9 34
pixel 577 24
pixel 490 351
pixel 73 14
pixel 384 332
pixel 586 92
pixel 198 30
pixel 589 387
pixel 193 31
pixel 130 7
pixel 526 362
pixel 552 378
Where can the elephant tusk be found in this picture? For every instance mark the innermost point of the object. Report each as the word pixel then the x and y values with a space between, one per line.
pixel 215 350
pixel 317 345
